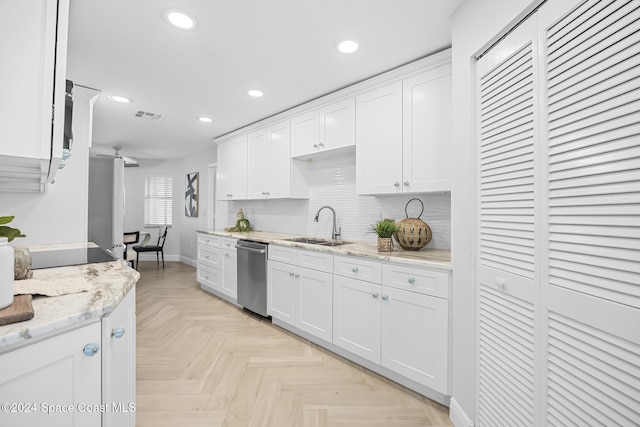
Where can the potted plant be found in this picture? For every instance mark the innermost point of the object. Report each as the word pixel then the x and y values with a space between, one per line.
pixel 385 228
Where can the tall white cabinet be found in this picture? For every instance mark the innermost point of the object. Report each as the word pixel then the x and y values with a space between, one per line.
pixel 232 169
pixel 558 292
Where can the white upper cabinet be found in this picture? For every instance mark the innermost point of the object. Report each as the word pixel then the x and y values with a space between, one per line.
pixel 426 133
pixel 404 135
pixel 232 169
pixel 271 173
pixel 379 140
pixel 326 131
pixel 305 134
pixel 269 158
pixel 32 129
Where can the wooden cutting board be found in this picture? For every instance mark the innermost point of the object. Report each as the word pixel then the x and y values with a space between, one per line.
pixel 19 311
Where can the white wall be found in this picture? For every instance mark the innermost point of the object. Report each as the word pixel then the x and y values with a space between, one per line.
pixel 475 24
pixel 189 225
pixel 58 215
pixel 181 237
pixel 333 182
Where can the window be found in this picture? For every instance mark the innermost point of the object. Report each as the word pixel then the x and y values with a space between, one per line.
pixel 158 200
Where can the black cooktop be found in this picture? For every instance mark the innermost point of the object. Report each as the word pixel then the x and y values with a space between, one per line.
pixel 64 257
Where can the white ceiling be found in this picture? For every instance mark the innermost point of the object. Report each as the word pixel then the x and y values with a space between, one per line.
pixel 286 48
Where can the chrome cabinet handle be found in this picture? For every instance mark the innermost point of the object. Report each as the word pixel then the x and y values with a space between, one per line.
pixel 91 349
pixel 375 295
pixel 321 145
pixel 354 269
pixel 412 280
pixel 297 275
pixel 385 297
pixel 406 183
pixel 396 184
pixel 291 274
pixel 117 332
pixel 315 145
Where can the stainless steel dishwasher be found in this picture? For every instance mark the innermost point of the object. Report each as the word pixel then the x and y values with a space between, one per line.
pixel 252 276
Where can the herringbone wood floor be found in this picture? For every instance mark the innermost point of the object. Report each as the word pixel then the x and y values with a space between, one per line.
pixel 204 362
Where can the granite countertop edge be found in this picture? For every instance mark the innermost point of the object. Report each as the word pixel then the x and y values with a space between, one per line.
pixel 109 281
pixel 426 257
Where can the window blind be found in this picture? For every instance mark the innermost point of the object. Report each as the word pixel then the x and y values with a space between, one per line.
pixel 158 200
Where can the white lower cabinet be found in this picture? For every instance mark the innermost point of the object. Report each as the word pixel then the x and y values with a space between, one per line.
pixel 399 326
pixel 83 377
pixel 217 263
pixel 356 317
pixel 119 364
pixel 54 378
pixel 300 296
pixel 414 337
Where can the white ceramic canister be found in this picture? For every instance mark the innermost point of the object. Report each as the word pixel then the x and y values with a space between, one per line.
pixel 6 273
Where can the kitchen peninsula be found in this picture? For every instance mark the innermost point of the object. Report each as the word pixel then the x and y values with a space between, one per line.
pixel 74 362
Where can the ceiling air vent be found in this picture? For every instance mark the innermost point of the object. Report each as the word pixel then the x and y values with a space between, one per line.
pixel 148 116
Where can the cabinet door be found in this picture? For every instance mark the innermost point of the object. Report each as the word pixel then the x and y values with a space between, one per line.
pixel 315 303
pixel 356 317
pixel 232 169
pixel 379 140
pixel 119 364
pixel 427 124
pixel 54 372
pixel 257 164
pixel 338 125
pixel 229 273
pixel 278 155
pixel 415 337
pixel 282 297
pixel 225 171
pixel 305 134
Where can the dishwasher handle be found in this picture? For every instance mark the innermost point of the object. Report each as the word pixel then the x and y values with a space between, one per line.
pixel 244 248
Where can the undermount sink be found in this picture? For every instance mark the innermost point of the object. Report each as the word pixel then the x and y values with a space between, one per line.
pixel 317 241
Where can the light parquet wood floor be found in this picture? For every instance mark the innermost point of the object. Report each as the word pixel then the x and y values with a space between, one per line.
pixel 204 362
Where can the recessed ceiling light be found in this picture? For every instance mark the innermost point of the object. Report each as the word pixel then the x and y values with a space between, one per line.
pixel 119 98
pixel 255 93
pixel 205 119
pixel 181 20
pixel 348 46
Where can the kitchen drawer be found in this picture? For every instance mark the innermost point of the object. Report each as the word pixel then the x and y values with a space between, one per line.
pixel 315 260
pixel 209 256
pixel 426 282
pixel 209 240
pixel 358 268
pixel 228 243
pixel 208 277
pixel 282 254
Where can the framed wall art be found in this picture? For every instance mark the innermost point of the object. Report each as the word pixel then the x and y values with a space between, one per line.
pixel 191 194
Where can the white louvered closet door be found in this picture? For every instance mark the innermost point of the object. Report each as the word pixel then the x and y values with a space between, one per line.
pixel 507 246
pixel 592 277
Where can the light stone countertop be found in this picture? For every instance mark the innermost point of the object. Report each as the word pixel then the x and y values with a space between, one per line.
pixel 109 281
pixel 432 258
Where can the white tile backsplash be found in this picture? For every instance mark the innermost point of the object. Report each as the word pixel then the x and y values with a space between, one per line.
pixel 333 182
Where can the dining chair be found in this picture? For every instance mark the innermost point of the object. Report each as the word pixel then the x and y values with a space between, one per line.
pixel 158 248
pixel 129 238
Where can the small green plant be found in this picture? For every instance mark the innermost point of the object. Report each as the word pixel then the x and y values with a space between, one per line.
pixel 385 228
pixel 242 224
pixel 9 232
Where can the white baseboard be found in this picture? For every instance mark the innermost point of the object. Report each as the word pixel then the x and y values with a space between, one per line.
pixel 457 415
pixel 188 261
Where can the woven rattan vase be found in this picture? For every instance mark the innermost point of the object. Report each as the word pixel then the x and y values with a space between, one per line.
pixel 413 233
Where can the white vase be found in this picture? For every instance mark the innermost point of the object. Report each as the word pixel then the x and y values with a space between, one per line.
pixel 6 273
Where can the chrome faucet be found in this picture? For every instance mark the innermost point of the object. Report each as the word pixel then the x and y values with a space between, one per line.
pixel 337 232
